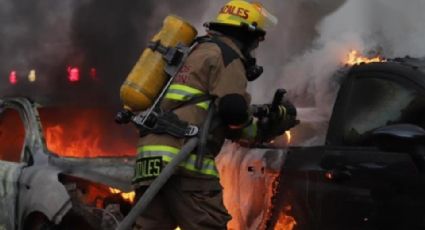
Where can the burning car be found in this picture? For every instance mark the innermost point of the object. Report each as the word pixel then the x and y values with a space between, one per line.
pixel 82 188
pixel 370 172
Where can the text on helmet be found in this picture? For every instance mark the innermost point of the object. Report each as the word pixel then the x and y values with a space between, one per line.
pixel 236 11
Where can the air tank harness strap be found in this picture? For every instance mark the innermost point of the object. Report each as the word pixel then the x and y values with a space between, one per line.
pixel 172 55
pixel 167 122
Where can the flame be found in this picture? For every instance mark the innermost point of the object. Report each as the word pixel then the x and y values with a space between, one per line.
pixel 130 196
pixel 81 133
pixel 285 222
pixel 355 58
pixel 288 136
pixel 283 140
pixel 57 142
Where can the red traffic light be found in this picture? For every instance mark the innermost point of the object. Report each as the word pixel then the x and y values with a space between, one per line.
pixel 13 78
pixel 73 74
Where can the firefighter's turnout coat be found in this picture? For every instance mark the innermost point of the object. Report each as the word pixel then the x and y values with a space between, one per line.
pixel 206 71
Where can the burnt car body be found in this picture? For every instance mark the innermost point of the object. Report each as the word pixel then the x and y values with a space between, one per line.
pixel 40 189
pixel 370 173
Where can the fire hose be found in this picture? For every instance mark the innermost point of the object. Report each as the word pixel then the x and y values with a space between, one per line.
pixel 157 184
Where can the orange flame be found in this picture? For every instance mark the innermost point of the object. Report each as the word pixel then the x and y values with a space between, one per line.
pixel 355 58
pixel 285 222
pixel 288 136
pixel 130 196
pixel 77 132
pixel 57 143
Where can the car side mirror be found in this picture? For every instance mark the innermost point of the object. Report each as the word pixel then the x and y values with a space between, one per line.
pixel 400 132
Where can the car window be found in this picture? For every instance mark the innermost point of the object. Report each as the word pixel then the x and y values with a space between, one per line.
pixel 12 135
pixel 374 103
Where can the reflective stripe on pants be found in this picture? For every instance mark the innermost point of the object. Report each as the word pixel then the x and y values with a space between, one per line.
pixel 167 153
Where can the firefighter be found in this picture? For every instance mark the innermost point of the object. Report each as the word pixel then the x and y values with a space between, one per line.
pixel 219 67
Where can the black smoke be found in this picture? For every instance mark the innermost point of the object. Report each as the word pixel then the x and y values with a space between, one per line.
pixel 50 35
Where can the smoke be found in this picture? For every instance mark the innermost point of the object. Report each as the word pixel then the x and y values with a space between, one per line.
pixel 391 27
pixel 49 36
pixel 293 35
pixel 33 33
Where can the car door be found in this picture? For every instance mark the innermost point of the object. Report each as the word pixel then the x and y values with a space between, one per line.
pixel 12 138
pixel 349 188
pixel 374 96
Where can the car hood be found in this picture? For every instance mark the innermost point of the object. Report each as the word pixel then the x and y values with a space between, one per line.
pixel 114 172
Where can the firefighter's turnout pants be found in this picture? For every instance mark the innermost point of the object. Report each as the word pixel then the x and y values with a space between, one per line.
pixel 180 204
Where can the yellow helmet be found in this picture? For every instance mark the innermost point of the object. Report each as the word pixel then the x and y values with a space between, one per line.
pixel 243 13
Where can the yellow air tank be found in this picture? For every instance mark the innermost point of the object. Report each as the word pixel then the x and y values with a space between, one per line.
pixel 147 77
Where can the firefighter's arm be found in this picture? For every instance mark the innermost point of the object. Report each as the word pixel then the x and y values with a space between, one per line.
pixel 229 84
pixel 270 120
pixel 264 128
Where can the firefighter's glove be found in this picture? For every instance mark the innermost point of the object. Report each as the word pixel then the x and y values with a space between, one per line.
pixel 277 121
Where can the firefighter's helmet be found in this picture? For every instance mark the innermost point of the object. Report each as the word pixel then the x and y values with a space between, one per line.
pixel 242 13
